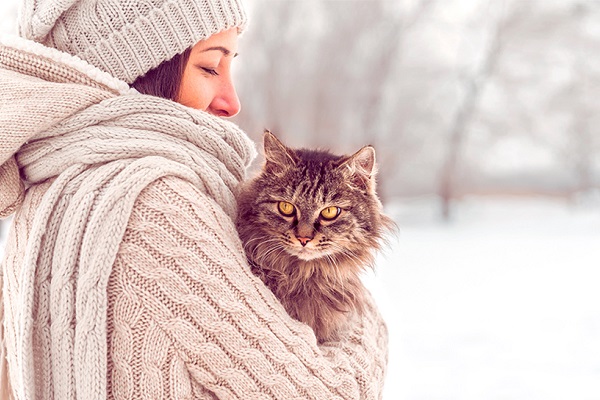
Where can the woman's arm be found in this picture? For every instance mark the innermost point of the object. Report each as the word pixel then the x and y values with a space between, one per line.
pixel 187 318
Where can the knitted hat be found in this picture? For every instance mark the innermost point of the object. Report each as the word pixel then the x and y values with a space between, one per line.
pixel 127 38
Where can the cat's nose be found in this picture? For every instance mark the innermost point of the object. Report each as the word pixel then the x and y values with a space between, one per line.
pixel 304 240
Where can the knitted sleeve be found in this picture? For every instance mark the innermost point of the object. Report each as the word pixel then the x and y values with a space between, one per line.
pixel 187 319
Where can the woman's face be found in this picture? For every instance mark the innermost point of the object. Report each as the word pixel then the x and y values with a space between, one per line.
pixel 206 83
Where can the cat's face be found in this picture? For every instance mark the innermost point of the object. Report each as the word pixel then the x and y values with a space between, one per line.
pixel 312 204
pixel 309 222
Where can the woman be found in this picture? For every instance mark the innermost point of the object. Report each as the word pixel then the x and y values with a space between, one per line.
pixel 123 275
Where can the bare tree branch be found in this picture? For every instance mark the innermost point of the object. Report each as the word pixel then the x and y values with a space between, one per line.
pixel 466 111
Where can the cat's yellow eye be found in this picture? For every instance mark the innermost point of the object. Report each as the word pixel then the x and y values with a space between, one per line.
pixel 330 213
pixel 286 209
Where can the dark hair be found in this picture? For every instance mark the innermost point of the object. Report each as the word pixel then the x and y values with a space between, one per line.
pixel 164 80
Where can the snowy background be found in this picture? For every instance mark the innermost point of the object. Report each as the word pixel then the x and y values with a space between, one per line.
pixel 485 119
pixel 503 303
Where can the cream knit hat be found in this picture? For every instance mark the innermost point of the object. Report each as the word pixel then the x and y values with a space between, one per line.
pixel 127 38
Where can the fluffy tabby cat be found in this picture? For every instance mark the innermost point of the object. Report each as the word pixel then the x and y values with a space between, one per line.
pixel 310 223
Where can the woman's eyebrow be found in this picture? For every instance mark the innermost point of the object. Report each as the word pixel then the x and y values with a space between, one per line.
pixel 222 49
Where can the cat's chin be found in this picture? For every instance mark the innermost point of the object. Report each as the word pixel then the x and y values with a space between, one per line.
pixel 305 254
pixel 308 257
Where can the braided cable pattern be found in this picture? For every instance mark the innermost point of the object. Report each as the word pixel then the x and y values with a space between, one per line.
pixel 108 294
pixel 182 278
pixel 98 158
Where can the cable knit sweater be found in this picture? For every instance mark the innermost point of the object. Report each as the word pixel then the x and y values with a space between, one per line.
pixel 124 277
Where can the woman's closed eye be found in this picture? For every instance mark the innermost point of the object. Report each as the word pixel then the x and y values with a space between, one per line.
pixel 210 71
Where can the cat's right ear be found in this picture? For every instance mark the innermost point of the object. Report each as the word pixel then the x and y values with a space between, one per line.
pixel 360 169
pixel 278 158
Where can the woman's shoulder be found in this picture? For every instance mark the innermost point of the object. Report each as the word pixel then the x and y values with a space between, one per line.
pixel 173 202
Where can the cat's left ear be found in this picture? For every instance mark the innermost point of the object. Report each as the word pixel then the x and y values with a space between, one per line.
pixel 360 168
pixel 278 157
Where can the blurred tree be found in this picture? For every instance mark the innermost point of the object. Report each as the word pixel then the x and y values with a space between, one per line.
pixel 384 135
pixel 342 74
pixel 474 83
pixel 322 73
pixel 583 136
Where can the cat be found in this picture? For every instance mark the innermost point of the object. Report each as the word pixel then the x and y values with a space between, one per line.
pixel 310 223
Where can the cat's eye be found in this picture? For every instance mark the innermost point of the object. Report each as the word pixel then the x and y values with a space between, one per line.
pixel 330 213
pixel 286 209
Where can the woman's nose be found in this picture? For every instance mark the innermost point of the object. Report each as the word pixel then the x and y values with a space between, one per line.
pixel 226 102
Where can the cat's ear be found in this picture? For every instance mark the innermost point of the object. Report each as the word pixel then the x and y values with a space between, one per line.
pixel 360 169
pixel 278 158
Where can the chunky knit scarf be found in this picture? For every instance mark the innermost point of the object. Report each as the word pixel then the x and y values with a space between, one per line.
pixel 97 145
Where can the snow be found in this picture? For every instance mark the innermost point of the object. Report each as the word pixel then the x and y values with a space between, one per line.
pixel 500 304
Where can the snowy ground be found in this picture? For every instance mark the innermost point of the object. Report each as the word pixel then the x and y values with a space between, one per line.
pixel 501 304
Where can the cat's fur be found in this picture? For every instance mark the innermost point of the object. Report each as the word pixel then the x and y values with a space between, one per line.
pixel 318 283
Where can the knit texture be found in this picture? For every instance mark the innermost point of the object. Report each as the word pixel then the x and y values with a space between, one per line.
pixel 123 275
pixel 186 300
pixel 99 150
pixel 127 38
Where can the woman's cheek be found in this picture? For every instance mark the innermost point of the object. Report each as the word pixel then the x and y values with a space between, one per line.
pixel 195 92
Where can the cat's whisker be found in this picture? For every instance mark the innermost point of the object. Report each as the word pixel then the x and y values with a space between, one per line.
pixel 331 261
pixel 336 269
pixel 350 255
pixel 338 273
pixel 281 250
pixel 264 238
pixel 357 262
pixel 264 242
pixel 270 251
pixel 250 244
